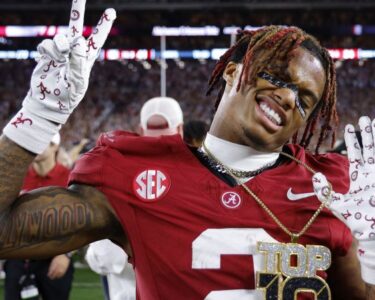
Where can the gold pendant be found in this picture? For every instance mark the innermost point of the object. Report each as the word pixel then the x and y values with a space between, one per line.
pixel 291 269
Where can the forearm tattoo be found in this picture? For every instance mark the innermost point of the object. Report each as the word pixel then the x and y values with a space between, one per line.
pixel 370 292
pixel 14 162
pixel 56 215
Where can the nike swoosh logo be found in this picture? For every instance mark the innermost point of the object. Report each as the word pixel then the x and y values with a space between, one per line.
pixel 294 197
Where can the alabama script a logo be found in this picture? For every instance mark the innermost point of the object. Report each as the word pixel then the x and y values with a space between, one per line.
pixel 230 200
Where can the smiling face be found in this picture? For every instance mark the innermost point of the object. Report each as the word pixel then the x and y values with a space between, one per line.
pixel 263 115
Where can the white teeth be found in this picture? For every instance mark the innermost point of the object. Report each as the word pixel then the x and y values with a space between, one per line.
pixel 270 113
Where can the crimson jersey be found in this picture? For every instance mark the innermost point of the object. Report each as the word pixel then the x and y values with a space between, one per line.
pixel 58 176
pixel 194 236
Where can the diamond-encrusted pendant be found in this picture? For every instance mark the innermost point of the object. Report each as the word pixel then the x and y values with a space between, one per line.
pixel 291 269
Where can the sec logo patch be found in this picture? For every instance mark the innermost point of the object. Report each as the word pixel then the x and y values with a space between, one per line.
pixel 230 200
pixel 151 185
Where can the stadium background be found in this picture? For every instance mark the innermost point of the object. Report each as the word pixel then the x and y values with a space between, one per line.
pixel 130 72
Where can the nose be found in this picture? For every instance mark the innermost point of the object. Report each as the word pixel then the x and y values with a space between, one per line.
pixel 285 97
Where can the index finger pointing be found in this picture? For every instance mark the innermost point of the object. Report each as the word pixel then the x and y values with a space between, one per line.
pixel 77 14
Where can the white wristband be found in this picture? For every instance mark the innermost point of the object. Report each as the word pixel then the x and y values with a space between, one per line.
pixel 31 131
pixel 366 257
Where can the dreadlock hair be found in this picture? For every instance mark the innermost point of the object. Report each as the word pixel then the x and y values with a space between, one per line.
pixel 272 47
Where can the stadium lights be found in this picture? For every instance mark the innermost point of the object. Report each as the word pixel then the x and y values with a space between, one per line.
pixel 37 31
pixel 152 54
pixel 345 53
pixel 364 54
pixel 49 31
pixel 43 31
pixel 209 30
pixel 357 29
pixel 201 54
pixel 217 53
pixel 186 31
pixel 18 54
pixel 229 30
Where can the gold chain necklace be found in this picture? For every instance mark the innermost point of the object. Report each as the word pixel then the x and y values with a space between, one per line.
pixel 237 173
pixel 293 236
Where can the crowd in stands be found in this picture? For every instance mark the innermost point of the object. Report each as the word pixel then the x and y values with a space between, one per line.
pixel 119 88
pixel 229 16
pixel 333 27
pixel 356 90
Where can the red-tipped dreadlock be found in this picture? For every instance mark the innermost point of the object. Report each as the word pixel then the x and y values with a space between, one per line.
pixel 275 46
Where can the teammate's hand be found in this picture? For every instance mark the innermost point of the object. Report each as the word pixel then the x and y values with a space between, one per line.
pixel 58 266
pixel 356 208
pixel 61 77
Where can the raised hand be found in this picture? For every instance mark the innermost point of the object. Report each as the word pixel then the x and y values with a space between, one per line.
pixel 59 80
pixel 61 77
pixel 356 208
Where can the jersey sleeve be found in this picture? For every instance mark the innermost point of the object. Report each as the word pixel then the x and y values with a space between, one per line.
pixel 89 168
pixel 337 171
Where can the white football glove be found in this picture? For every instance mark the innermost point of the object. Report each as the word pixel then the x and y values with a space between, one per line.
pixel 59 80
pixel 356 208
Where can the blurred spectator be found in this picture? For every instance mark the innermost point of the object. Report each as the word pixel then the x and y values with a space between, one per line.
pixel 158 116
pixel 161 116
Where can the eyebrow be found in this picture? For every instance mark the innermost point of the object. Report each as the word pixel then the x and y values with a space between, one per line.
pixel 309 93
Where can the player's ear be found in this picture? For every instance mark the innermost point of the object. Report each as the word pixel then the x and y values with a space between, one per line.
pixel 230 72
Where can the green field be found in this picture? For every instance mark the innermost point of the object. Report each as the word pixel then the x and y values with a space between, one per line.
pixel 86 286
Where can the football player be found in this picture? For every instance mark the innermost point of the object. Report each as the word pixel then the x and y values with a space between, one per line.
pixel 243 217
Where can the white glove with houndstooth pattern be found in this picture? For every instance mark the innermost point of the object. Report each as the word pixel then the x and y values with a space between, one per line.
pixel 59 80
pixel 356 208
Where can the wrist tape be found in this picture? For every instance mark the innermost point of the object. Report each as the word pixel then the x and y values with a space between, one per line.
pixel 30 131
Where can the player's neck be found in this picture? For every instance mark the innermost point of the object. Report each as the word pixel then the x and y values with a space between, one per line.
pixel 238 156
pixel 42 168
